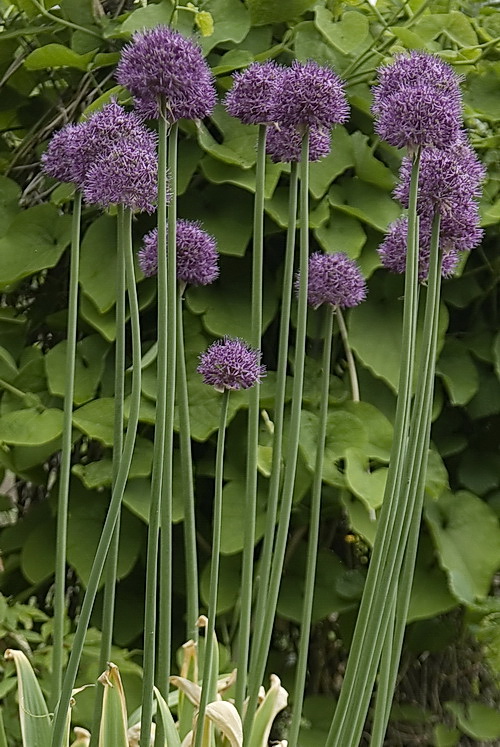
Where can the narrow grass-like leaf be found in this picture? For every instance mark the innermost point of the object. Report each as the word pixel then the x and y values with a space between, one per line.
pixel 275 700
pixel 170 734
pixel 33 712
pixel 113 730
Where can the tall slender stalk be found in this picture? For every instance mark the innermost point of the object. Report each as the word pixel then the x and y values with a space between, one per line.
pixel 112 559
pixel 190 551
pixel 65 469
pixel 165 598
pixel 314 524
pixel 253 428
pixel 257 673
pixel 278 416
pixel 351 364
pixel 150 609
pixel 214 568
pixel 423 411
pixel 60 716
pixel 367 631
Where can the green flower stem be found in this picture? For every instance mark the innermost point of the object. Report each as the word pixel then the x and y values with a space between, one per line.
pixel 165 597
pixel 64 22
pixel 423 400
pixel 368 626
pixel 214 568
pixel 65 470
pixel 279 409
pixel 351 364
pixel 190 550
pixel 314 525
pixel 257 673
pixel 59 723
pixel 410 495
pixel 253 429
pixel 112 559
pixel 150 609
pixel 383 702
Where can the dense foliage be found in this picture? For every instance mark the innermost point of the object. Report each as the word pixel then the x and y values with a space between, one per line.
pixel 57 63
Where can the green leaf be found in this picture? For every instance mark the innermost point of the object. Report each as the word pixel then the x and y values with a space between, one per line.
pixel 219 172
pixel 367 485
pixel 482 90
pixel 477 720
pixel 31 427
pixel 344 431
pixel 361 520
pixel 479 480
pixel 172 738
pixel 229 583
pixel 105 324
pixel 228 313
pixel 311 44
pixel 340 158
pixel 329 572
pixel 231 23
pixel 100 474
pixel 148 18
pixel 458 372
pixel 86 517
pixel 57 55
pixel 232 228
pixel 96 419
pixel 459 29
pixel 342 233
pixel 443 736
pixel 346 34
pixel 38 552
pixel 33 712
pixel 89 366
pixel 8 368
pixel 235 59
pixel 113 726
pixel 378 428
pixel 366 202
pixel 467 539
pixel 98 263
pixel 10 192
pixel 137 496
pixel 275 11
pixel 238 146
pixel 375 331
pixel 35 240
pixel 367 167
pixel 233 516
pixel 430 595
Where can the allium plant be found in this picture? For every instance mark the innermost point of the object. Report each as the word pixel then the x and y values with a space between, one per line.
pixel 284 142
pixel 417 105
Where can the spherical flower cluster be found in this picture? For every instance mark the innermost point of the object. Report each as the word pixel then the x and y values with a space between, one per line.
pixel 446 179
pixel 231 364
pixel 253 94
pixel 283 144
pixel 163 64
pixel 311 95
pixel 124 176
pixel 66 158
pixel 113 124
pixel 334 279
pixel 393 250
pixel 196 254
pixel 417 102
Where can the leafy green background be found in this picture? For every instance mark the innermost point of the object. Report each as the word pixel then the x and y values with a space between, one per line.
pixel 58 65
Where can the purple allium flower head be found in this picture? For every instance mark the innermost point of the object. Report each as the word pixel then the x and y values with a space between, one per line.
pixel 283 144
pixel 413 70
pixel 253 95
pixel 197 257
pixel 392 250
pixel 66 157
pixel 127 175
pixel 311 95
pixel 231 364
pixel 446 178
pixel 162 63
pixel 419 116
pixel 334 279
pixel 113 124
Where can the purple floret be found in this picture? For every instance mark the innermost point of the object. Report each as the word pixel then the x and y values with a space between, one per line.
pixel 419 116
pixel 67 155
pixel 283 144
pixel 413 70
pixel 253 95
pixel 196 254
pixel 231 364
pixel 334 279
pixel 161 63
pixel 113 124
pixel 126 176
pixel 446 178
pixel 311 95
